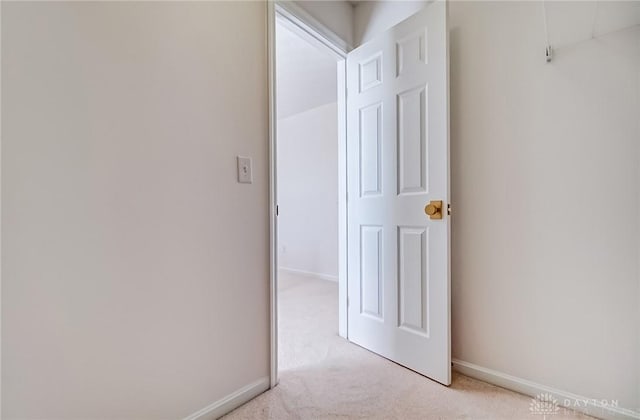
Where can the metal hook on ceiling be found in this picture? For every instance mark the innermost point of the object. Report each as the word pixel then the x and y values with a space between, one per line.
pixel 548 53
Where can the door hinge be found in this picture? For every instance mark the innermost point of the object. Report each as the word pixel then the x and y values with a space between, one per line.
pixel 448 209
pixel 277 210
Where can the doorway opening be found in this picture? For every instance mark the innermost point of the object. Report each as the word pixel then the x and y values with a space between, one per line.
pixel 395 165
pixel 309 193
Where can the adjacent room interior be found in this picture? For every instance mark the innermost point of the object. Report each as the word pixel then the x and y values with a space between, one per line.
pixel 307 173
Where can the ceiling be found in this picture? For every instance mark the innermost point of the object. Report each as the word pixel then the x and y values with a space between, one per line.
pixel 569 22
pixel 306 76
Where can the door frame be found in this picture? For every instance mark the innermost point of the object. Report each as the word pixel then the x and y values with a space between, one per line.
pixel 293 16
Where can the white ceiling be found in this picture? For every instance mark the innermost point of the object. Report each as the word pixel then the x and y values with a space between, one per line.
pixel 569 22
pixel 306 76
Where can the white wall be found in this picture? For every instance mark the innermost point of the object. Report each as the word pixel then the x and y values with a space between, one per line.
pixel 545 181
pixel 306 74
pixel 135 269
pixel 308 191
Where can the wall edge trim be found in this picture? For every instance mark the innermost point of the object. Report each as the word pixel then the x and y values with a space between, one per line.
pixel 305 20
pixel 579 403
pixel 232 401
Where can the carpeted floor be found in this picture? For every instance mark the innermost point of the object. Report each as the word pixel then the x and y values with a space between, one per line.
pixel 323 376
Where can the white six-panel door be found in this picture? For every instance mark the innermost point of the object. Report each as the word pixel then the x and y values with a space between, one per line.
pixel 397 160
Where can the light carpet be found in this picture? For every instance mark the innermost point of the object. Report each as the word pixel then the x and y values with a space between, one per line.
pixel 323 376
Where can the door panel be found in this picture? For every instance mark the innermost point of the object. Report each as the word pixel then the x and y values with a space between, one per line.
pixel 413 280
pixel 370 122
pixel 397 158
pixel 412 141
pixel 371 269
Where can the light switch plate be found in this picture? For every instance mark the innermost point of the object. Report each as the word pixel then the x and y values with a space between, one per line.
pixel 244 170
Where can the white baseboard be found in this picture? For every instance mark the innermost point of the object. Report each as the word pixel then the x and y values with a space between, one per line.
pixel 590 406
pixel 231 401
pixel 311 274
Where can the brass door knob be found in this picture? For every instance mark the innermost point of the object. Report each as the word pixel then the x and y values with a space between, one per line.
pixel 434 209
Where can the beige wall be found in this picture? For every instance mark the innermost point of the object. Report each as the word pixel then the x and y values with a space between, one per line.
pixel 135 269
pixel 545 180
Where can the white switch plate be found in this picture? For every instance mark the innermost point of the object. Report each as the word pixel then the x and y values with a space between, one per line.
pixel 244 170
